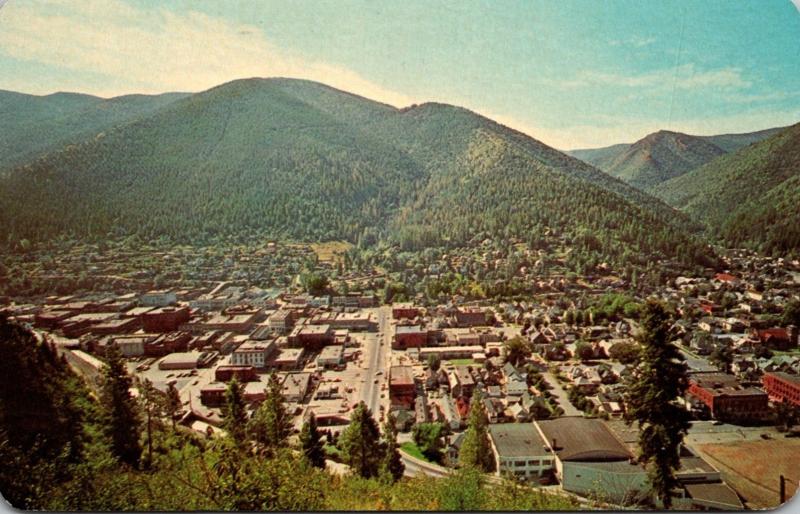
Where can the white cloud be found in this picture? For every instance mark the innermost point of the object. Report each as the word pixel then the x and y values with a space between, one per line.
pixel 125 49
pixel 634 41
pixel 155 50
pixel 686 77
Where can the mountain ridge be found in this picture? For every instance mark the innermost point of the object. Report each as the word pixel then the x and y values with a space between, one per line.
pixel 665 154
pixel 296 159
pixel 747 197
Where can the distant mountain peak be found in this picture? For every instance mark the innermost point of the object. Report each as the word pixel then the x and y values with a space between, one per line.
pixel 664 154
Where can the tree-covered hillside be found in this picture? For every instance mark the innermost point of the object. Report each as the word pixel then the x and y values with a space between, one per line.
pixel 32 125
pixel 664 155
pixel 750 197
pixel 295 159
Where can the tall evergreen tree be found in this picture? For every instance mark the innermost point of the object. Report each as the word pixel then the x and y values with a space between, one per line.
pixel 152 405
pixel 271 425
pixel 657 383
pixel 172 404
pixel 311 442
pixel 392 464
pixel 476 450
pixel 235 412
pixel 360 443
pixel 121 416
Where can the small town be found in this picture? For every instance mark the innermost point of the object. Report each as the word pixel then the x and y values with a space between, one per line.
pixel 550 370
pixel 363 255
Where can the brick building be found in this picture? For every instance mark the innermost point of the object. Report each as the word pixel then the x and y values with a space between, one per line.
pixel 404 311
pixel 782 387
pixel 401 387
pixel 312 337
pixel 165 319
pixel 167 343
pixel 412 336
pixel 226 373
pixel 471 317
pixel 727 399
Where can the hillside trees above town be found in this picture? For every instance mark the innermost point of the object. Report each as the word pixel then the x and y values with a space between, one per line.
pixel 297 160
pixel 749 197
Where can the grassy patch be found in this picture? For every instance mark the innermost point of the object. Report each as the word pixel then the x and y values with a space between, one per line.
pixel 412 449
pixel 333 453
pixel 462 362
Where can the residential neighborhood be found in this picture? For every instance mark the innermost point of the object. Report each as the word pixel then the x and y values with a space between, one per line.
pixel 550 371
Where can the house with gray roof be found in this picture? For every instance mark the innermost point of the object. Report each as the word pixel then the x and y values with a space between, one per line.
pixel 591 461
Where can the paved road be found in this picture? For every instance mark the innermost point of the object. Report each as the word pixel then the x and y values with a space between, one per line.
pixel 377 358
pixel 416 467
pixel 561 395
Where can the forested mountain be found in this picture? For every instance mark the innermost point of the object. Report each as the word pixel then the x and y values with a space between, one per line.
pixel 748 197
pixel 734 142
pixel 296 159
pixel 31 125
pixel 663 155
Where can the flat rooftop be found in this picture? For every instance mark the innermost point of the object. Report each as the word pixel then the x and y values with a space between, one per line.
pixel 722 383
pixel 401 375
pixel 518 440
pixel 408 329
pixel 181 358
pixel 786 377
pixel 332 352
pixel 315 329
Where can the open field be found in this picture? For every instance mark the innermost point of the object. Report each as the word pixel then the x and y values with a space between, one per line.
pixel 330 251
pixel 753 468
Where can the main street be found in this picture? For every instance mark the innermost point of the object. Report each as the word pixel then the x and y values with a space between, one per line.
pixel 378 358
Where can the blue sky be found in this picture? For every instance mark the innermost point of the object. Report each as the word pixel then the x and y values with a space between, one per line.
pixel 575 73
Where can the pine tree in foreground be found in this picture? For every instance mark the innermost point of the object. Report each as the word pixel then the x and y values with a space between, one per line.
pixel 235 412
pixel 121 418
pixel 476 450
pixel 271 425
pixel 311 442
pixel 360 443
pixel 172 404
pixel 659 380
pixel 392 464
